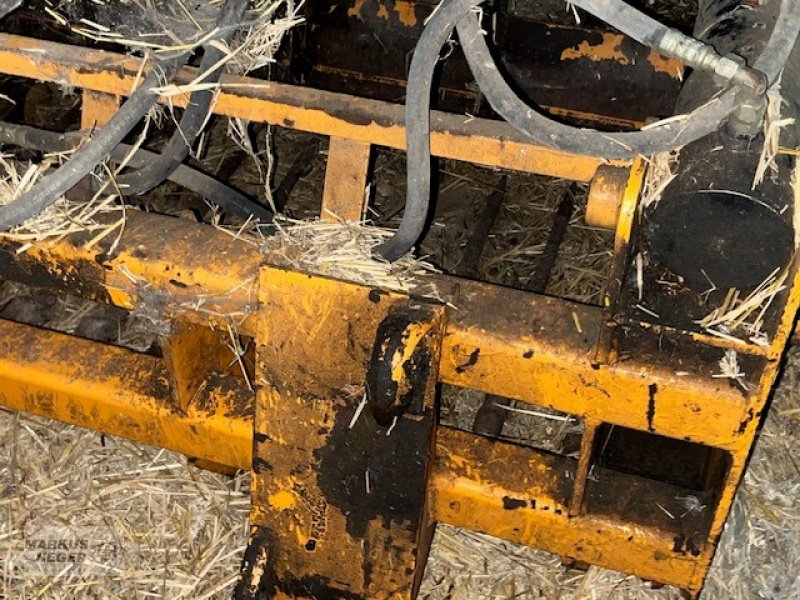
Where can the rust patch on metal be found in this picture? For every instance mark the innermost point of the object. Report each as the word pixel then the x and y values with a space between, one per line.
pixel 609 49
pixel 406 13
pixel 662 64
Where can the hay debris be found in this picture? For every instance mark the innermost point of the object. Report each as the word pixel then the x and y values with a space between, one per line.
pixel 759 553
pixel 465 565
pixel 745 316
pixel 773 124
pixel 168 26
pixel 256 46
pixel 179 532
pixel 344 250
pixel 161 26
pixel 660 173
pixel 729 368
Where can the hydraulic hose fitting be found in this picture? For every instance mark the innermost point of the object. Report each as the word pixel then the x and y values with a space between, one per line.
pixel 747 119
pixel 701 56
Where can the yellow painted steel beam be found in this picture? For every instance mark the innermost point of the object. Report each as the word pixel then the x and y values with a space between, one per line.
pixel 502 489
pixel 479 141
pixel 521 495
pixel 537 349
pixel 121 392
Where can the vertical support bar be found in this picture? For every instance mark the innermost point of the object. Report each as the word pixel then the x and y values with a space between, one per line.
pixel 476 242
pixel 97 108
pixel 343 433
pixel 619 266
pixel 346 180
pixel 584 464
pixel 758 402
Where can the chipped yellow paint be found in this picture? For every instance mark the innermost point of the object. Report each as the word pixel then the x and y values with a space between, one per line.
pixel 282 500
pixel 406 13
pixel 355 10
pixel 662 64
pixel 120 297
pixel 412 335
pixel 630 201
pixel 608 49
pixel 383 12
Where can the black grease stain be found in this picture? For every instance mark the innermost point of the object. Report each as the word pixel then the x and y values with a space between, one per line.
pixel 375 296
pixel 652 390
pixel 743 425
pixel 261 465
pixel 312 586
pixel 256 575
pixel 388 399
pixel 79 277
pixel 510 503
pixel 396 471
pixel 528 354
pixel 473 359
pixel 685 544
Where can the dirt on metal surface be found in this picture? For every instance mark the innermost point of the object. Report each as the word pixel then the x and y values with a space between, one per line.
pixel 758 555
pixel 74 477
pixel 463 564
pixel 203 516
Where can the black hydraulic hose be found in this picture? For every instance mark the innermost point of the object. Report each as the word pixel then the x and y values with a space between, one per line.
pixel 86 158
pixel 194 117
pixel 211 189
pixel 6 6
pixel 663 137
pixel 673 43
pixel 418 125
pixel 660 137
pixel 644 29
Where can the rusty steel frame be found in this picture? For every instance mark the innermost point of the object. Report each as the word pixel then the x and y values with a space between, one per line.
pixel 535 349
pixel 479 141
pixel 531 351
